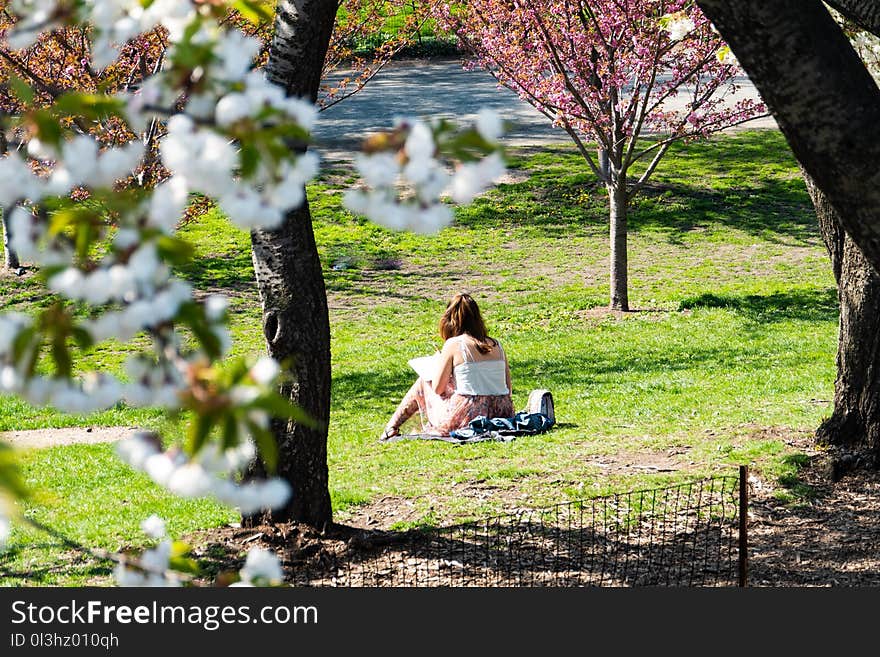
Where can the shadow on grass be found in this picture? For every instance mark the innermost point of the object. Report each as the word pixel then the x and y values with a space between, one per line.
pixel 796 490
pixel 757 190
pixel 428 285
pixel 230 271
pixel 804 305
pixel 53 568
pixel 775 210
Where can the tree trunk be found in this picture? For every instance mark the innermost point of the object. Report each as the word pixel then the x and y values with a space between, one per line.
pixel 604 164
pixel 855 422
pixel 618 201
pixel 10 258
pixel 291 283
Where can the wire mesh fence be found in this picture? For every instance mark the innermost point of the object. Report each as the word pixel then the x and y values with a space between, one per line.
pixel 687 534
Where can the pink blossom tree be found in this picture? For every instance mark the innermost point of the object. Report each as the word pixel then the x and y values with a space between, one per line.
pixel 609 73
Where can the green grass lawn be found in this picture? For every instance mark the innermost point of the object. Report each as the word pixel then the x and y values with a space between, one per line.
pixel 727 359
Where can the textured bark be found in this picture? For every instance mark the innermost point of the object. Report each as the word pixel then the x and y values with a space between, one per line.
pixel 10 259
pixel 864 13
pixel 855 422
pixel 618 262
pixel 291 283
pixel 821 95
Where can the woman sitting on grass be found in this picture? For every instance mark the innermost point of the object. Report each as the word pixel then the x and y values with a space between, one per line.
pixel 471 376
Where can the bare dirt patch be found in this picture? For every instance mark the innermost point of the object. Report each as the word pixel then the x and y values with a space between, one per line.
pixel 834 540
pixel 42 438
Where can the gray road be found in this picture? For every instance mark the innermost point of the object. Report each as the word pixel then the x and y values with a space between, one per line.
pixel 418 88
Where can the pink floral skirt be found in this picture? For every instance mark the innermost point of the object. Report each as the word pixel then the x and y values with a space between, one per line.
pixel 440 414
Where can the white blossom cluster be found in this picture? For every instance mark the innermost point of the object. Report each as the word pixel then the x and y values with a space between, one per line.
pixel 18 183
pixel 261 568
pixel 209 473
pixel 417 170
pixel 114 22
pixel 95 392
pixel 678 25
pixel 203 161
pixel 27 235
pixel 80 164
pixel 153 569
pixel 198 149
pixel 35 16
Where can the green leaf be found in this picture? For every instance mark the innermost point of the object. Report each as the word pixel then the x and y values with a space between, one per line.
pixel 86 234
pixel 265 443
pixel 230 432
pixel 253 12
pixel 61 355
pixel 21 89
pixel 48 129
pixel 11 480
pixel 281 408
pixel 199 430
pixel 69 217
pixel 249 158
pixel 184 565
pixel 180 549
pixel 82 337
pixel 175 250
pixel 22 341
pixel 94 107
pixel 193 315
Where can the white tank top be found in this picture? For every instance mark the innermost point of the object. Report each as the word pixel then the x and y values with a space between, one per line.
pixel 484 377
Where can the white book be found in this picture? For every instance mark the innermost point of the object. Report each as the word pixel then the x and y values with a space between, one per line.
pixel 425 366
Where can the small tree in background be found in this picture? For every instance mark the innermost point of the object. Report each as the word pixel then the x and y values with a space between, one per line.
pixel 604 70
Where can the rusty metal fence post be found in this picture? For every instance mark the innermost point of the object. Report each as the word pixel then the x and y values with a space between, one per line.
pixel 743 525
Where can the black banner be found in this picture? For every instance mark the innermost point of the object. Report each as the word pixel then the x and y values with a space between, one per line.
pixel 232 621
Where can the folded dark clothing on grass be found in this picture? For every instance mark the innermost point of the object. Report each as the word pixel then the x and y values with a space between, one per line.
pixel 521 424
pixel 483 428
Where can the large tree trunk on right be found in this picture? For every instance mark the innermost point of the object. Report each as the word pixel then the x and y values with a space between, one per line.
pixel 618 261
pixel 855 422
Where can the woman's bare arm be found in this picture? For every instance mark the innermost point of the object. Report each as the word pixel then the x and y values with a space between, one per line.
pixel 446 358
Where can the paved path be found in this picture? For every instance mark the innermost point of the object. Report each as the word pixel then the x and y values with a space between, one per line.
pixel 444 88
